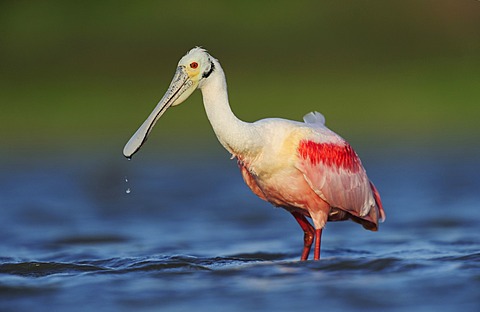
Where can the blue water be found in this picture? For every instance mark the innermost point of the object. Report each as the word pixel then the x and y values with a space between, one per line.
pixel 191 236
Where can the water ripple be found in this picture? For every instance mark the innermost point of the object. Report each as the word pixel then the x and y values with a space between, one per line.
pixel 240 262
pixel 38 269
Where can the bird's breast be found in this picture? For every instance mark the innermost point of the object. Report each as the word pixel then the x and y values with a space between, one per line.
pixel 283 186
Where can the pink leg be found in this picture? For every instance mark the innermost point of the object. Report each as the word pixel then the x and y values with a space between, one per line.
pixel 318 241
pixel 309 234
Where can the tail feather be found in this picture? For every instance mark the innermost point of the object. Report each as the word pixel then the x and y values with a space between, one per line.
pixel 378 200
pixel 314 118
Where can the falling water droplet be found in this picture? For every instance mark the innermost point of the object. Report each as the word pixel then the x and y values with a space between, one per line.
pixel 128 190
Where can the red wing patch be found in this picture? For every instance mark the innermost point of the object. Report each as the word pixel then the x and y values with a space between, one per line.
pixel 330 154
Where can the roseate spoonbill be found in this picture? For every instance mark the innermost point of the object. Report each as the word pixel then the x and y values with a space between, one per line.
pixel 303 167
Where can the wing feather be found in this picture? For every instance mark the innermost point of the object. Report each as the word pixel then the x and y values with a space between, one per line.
pixel 334 171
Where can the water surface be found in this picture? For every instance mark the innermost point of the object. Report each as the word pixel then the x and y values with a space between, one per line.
pixel 191 236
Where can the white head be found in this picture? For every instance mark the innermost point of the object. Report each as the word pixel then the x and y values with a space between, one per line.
pixel 193 69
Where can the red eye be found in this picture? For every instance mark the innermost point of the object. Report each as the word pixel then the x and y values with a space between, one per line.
pixel 193 65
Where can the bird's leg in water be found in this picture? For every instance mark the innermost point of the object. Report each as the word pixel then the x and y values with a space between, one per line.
pixel 318 241
pixel 309 234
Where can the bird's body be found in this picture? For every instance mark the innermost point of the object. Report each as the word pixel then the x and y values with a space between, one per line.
pixel 319 167
pixel 303 167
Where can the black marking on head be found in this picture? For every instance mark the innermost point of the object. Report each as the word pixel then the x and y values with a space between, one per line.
pixel 212 67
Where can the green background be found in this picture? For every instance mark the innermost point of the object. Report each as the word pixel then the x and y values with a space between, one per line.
pixel 77 75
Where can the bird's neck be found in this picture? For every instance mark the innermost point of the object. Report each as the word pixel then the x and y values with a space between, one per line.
pixel 238 137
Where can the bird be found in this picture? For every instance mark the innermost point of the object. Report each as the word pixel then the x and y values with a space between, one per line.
pixel 303 167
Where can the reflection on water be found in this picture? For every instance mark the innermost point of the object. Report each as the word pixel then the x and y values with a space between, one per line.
pixel 194 237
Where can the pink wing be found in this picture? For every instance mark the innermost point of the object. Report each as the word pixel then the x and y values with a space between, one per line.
pixel 334 171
